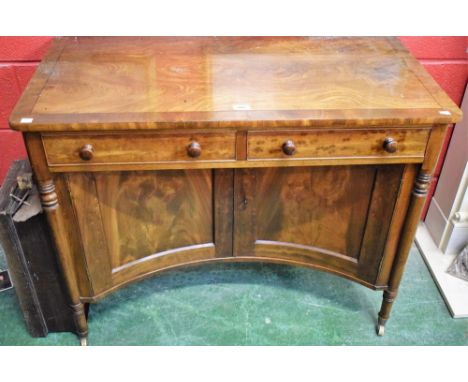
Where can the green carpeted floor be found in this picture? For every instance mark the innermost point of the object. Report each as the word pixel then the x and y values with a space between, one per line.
pixel 254 304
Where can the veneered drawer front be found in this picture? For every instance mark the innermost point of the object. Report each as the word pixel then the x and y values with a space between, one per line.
pixel 66 149
pixel 337 144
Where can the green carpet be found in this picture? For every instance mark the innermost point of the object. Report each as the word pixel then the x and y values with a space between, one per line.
pixel 255 304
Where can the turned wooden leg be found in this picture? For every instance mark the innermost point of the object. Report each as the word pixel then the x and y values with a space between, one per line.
pixel 384 314
pixel 418 197
pixel 50 204
pixel 58 224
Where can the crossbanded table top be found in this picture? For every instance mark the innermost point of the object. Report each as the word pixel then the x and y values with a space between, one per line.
pixel 109 83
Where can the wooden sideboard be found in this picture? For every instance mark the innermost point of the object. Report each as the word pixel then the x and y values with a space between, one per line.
pixel 154 153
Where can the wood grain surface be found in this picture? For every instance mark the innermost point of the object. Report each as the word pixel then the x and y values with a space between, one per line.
pixel 130 222
pixel 336 143
pixel 129 83
pixel 138 148
pixel 337 217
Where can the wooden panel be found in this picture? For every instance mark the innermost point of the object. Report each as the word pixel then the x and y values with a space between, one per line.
pixel 336 143
pixel 88 214
pixel 150 212
pixel 310 207
pixel 379 218
pixel 244 211
pixel 322 207
pixel 398 218
pixel 334 217
pixel 137 148
pixel 162 82
pixel 223 209
pixel 75 240
pixel 135 222
pixel 241 145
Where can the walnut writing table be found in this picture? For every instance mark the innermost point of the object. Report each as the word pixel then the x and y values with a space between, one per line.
pixel 152 153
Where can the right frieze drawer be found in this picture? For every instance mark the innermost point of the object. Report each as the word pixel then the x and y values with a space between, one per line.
pixel 342 143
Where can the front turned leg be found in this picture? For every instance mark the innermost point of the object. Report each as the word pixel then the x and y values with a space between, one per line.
pixel 384 314
pixel 79 316
pixel 50 204
pixel 420 188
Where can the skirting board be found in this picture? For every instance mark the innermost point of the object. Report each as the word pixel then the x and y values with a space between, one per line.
pixel 453 290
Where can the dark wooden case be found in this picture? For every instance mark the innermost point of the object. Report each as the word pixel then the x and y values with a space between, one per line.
pixel 32 263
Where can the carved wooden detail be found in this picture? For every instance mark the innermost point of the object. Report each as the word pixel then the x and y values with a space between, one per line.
pixel 49 199
pixel 389 296
pixel 79 312
pixel 422 184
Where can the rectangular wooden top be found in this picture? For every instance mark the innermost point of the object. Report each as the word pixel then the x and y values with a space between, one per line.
pixel 96 83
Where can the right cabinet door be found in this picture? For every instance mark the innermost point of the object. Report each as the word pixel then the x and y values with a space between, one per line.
pixel 336 218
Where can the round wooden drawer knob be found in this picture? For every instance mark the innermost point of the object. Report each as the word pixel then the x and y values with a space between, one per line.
pixel 289 148
pixel 390 145
pixel 87 152
pixel 194 149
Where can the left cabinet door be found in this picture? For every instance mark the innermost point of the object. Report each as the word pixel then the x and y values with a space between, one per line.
pixel 134 223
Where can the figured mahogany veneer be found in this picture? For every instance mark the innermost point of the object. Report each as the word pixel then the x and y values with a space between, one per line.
pixel 408 144
pixel 63 149
pixel 154 153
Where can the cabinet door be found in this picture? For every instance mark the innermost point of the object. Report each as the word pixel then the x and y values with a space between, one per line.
pixel 133 223
pixel 334 218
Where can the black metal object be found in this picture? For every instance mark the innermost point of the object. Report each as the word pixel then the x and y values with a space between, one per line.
pixel 30 255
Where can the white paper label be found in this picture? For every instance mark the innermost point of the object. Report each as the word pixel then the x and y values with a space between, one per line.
pixel 26 120
pixel 241 106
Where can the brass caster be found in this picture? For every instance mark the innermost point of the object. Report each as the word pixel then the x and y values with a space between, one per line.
pixel 83 341
pixel 380 330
